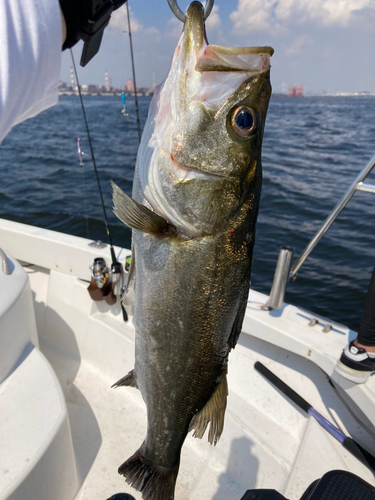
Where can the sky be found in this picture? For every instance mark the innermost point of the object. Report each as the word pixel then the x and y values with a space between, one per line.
pixel 326 45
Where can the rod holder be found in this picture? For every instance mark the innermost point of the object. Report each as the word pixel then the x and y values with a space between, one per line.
pixel 280 279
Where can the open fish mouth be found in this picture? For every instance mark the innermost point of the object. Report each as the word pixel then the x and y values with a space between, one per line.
pixel 183 173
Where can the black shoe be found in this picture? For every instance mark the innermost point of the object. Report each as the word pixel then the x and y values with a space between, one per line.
pixel 121 496
pixel 355 364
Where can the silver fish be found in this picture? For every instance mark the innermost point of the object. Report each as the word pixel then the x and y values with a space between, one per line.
pixel 193 212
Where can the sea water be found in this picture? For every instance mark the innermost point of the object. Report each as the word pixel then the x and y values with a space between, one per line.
pixel 313 149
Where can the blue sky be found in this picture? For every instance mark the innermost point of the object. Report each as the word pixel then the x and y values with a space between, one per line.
pixel 327 45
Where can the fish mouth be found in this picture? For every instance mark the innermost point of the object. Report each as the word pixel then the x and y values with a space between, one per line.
pixel 183 173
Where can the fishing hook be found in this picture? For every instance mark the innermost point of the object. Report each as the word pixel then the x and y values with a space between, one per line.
pixel 182 17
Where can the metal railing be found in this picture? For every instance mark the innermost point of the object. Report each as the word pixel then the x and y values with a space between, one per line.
pixel 283 265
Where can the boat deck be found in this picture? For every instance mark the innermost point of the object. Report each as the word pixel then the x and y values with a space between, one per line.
pixel 267 442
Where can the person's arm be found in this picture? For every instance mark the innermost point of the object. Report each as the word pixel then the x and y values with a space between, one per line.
pixel 30 56
pixel 32 35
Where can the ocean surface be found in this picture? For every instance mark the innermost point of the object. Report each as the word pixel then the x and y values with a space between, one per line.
pixel 313 149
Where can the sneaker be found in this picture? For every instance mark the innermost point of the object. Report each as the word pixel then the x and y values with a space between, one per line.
pixel 355 364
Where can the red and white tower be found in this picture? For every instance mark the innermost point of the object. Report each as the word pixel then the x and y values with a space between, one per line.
pixel 107 83
pixel 72 82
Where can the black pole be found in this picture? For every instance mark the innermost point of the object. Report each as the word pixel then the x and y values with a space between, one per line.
pixel 133 68
pixel 366 458
pixel 114 260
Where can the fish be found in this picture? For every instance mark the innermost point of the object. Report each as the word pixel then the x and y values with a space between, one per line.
pixel 193 212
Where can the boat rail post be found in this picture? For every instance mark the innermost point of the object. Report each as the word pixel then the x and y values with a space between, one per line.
pixel 280 279
pixel 358 185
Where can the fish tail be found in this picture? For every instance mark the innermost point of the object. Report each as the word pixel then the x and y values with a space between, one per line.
pixel 155 482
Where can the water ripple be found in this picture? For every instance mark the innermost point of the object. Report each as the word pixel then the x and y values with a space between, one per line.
pixel 313 149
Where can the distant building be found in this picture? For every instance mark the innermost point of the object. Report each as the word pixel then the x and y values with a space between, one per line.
pixel 130 85
pixel 107 84
pixel 296 91
pixel 94 89
pixel 107 89
pixel 62 86
pixel 72 82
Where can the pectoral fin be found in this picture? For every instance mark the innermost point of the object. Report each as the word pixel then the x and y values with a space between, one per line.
pixel 138 216
pixel 128 380
pixel 213 412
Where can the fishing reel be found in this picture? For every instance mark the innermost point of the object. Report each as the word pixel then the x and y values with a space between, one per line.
pixel 106 283
pixel 100 273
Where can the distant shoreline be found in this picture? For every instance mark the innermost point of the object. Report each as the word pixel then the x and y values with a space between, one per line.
pixel 117 93
pixel 355 94
pixel 143 94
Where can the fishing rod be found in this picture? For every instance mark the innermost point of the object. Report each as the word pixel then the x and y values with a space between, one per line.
pixel 347 442
pixel 133 68
pixel 116 268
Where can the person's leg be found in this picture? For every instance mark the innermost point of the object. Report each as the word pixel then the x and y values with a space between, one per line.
pixel 366 331
pixel 357 361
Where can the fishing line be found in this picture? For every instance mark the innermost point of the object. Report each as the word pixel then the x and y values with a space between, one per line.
pixel 133 68
pixel 82 181
pixel 77 130
pixel 85 198
pixel 114 260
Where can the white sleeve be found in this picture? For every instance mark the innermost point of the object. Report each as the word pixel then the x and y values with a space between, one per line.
pixel 30 58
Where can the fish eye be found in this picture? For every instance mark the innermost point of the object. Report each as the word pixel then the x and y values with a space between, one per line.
pixel 244 121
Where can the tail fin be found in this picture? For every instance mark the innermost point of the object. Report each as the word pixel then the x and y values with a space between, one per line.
pixel 155 482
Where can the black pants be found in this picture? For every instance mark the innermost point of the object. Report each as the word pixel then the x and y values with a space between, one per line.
pixel 366 330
